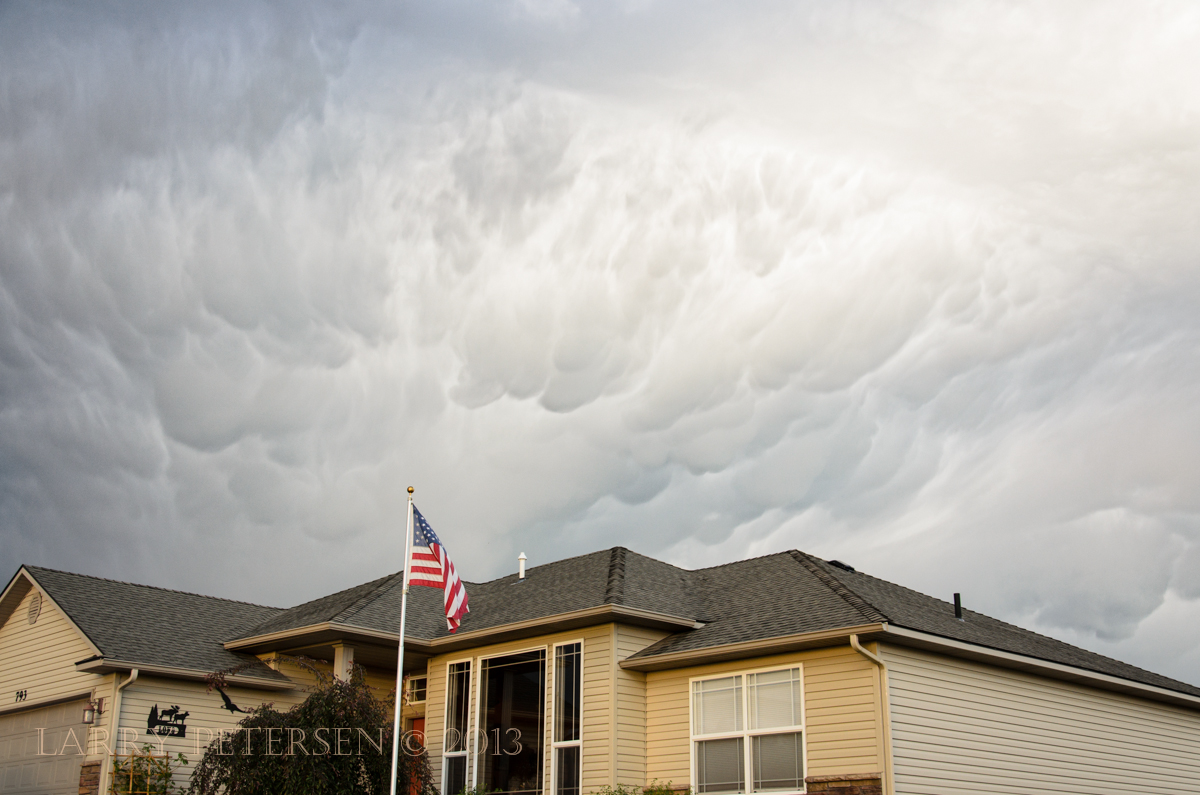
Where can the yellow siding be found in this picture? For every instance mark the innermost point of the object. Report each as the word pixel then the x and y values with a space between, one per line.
pixel 40 658
pixel 597 700
pixel 206 714
pixel 382 683
pixel 965 728
pixel 631 705
pixel 843 733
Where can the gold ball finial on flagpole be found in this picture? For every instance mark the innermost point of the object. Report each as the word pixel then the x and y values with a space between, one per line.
pixel 410 489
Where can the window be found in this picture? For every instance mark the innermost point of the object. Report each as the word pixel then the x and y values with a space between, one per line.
pixel 454 744
pixel 749 727
pixel 568 736
pixel 512 712
pixel 415 689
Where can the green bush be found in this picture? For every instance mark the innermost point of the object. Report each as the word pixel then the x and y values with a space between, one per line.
pixel 655 787
pixel 244 764
pixel 143 773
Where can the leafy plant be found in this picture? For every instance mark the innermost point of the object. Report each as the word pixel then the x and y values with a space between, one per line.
pixel 655 787
pixel 301 752
pixel 145 773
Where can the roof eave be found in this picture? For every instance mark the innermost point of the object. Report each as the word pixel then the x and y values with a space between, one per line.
pixel 753 648
pixel 103 665
pixel 329 631
pixel 1004 659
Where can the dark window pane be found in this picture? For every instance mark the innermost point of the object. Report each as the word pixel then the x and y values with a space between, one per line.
pixel 567 771
pixel 513 700
pixel 456 775
pixel 778 762
pixel 567 675
pixel 720 766
pixel 458 696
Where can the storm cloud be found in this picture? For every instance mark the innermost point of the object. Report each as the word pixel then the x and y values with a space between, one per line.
pixel 913 286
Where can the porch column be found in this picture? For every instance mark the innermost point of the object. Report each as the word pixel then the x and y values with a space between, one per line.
pixel 343 661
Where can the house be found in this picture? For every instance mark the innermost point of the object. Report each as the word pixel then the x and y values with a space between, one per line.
pixel 784 673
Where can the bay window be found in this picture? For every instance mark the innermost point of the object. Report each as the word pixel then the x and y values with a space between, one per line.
pixel 748 732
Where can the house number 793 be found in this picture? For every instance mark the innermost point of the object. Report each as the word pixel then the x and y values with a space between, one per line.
pixel 21 696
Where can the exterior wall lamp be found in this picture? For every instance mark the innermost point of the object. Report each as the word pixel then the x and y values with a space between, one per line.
pixel 93 710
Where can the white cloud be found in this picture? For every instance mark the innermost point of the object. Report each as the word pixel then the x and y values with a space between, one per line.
pixel 910 286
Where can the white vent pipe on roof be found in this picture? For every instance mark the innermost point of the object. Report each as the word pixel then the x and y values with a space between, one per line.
pixel 521 567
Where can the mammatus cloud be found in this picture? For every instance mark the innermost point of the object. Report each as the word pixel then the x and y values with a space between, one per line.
pixel 910 286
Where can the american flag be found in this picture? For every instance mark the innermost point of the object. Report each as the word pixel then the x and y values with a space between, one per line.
pixel 430 565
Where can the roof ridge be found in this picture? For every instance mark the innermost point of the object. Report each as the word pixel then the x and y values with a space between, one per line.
pixel 734 562
pixel 614 591
pixel 364 600
pixel 153 587
pixel 838 587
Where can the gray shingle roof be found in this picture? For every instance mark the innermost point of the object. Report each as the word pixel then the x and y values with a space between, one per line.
pixel 912 610
pixel 152 626
pixel 773 596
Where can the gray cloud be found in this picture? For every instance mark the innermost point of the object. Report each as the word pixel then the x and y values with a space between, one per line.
pixel 911 286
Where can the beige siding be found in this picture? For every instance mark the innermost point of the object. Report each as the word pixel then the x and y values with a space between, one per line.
pixel 382 683
pixel 206 714
pixel 841 707
pixel 631 705
pixel 961 727
pixel 597 700
pixel 40 658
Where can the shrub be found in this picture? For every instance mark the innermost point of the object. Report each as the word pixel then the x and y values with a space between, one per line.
pixel 145 773
pixel 655 787
pixel 284 753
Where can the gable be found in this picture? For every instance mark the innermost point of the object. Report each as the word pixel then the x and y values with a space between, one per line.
pixel 39 646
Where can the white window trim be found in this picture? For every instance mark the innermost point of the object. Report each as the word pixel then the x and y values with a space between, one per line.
pixel 479 705
pixel 446 718
pixel 551 675
pixel 410 687
pixel 746 732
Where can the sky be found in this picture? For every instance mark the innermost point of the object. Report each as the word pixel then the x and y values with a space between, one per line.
pixel 909 285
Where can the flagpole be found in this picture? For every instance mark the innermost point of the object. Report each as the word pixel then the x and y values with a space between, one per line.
pixel 408 534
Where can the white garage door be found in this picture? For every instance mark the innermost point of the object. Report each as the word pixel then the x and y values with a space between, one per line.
pixel 22 769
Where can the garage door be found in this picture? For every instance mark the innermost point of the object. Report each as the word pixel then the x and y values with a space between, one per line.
pixel 22 770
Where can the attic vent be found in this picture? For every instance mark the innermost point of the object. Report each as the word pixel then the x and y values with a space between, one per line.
pixel 840 565
pixel 35 608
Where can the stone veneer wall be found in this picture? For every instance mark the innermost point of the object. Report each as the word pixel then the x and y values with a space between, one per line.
pixel 89 778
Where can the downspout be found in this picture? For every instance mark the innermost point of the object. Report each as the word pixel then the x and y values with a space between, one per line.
pixel 106 765
pixel 889 777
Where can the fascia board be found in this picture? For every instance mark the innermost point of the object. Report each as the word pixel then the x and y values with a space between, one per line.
pixel 21 579
pixel 750 648
pixel 312 634
pixel 46 595
pixel 1005 659
pixel 105 666
pixel 536 626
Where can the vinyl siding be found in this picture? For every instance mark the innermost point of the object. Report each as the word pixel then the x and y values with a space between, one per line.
pixel 597 700
pixel 206 715
pixel 631 705
pixel 382 683
pixel 841 708
pixel 962 727
pixel 40 658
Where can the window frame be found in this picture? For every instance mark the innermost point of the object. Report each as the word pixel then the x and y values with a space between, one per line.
pixel 552 676
pixel 478 688
pixel 467 750
pixel 410 688
pixel 746 734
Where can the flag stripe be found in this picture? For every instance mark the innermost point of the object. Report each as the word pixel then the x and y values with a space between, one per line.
pixel 429 565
